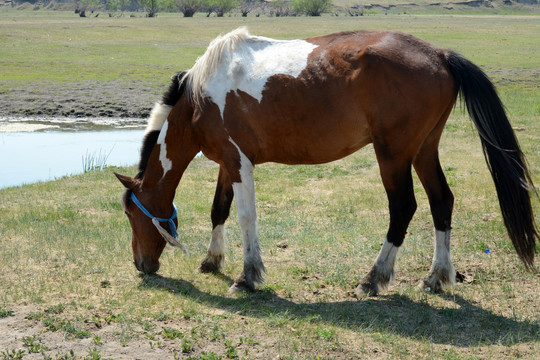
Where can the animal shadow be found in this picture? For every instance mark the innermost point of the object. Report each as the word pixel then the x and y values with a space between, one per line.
pixel 464 325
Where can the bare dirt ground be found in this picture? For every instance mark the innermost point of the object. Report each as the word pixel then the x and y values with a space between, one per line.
pixel 17 327
pixel 116 99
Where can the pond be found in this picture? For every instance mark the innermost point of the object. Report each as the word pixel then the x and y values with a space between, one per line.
pixel 33 150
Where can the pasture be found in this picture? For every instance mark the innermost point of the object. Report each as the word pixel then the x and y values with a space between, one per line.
pixel 68 288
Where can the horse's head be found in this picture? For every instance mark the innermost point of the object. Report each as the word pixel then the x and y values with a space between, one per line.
pixel 148 237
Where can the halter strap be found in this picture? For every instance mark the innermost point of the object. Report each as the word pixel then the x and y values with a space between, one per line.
pixel 154 218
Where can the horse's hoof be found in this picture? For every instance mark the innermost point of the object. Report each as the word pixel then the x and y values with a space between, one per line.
pixel 426 285
pixel 241 287
pixel 209 266
pixel 366 288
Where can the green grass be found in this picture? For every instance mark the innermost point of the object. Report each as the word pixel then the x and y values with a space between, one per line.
pixel 67 270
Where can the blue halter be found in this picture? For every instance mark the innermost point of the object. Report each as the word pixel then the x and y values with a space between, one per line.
pixel 147 213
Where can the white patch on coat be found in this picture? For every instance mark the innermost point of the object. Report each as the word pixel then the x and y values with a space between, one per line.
pixel 441 256
pixel 244 195
pixel 386 259
pixel 166 163
pixel 239 61
pixel 157 118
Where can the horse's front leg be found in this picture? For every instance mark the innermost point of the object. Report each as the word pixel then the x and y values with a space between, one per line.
pixel 244 192
pixel 215 257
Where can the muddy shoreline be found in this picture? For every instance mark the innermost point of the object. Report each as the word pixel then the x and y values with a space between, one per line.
pixel 129 99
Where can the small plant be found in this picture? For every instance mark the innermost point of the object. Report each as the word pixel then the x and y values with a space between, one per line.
pixel 171 333
pixel 248 340
pixel 38 315
pixel 5 313
pixel 326 334
pixel 161 316
pixel 231 351
pixel 12 354
pixel 96 340
pixel 206 356
pixel 56 309
pixel 93 354
pixel 33 345
pixel 95 161
pixel 55 324
pixel 67 356
pixel 187 344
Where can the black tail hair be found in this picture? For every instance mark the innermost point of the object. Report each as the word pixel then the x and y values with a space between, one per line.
pixel 502 152
pixel 170 97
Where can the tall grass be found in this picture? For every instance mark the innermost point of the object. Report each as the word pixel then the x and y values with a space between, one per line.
pixel 93 161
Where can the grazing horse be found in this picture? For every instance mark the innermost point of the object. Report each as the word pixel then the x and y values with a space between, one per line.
pixel 250 100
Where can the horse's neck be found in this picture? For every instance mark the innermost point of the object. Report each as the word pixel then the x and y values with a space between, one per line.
pixel 175 149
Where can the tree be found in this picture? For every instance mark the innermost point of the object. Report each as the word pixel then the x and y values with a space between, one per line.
pixel 84 5
pixel 115 5
pixel 151 6
pixel 311 7
pixel 280 8
pixel 220 7
pixel 246 6
pixel 188 7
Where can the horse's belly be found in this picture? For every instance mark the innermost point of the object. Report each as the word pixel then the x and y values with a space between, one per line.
pixel 313 144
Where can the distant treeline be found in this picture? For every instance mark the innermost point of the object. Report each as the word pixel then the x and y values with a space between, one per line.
pixel 258 7
pixel 187 7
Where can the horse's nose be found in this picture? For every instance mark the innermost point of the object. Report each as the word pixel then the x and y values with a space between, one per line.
pixel 147 267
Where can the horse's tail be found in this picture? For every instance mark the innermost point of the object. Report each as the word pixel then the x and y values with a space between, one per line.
pixel 503 155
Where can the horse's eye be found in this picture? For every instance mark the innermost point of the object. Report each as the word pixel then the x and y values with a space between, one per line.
pixel 125 212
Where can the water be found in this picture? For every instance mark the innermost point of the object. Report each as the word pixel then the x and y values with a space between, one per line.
pixel 35 150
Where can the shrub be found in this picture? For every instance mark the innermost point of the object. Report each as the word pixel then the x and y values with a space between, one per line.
pixel 188 7
pixel 310 7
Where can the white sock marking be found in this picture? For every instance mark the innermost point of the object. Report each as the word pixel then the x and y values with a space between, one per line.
pixel 386 258
pixel 441 255
pixel 217 244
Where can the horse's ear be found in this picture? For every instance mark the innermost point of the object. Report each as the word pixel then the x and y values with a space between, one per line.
pixel 127 181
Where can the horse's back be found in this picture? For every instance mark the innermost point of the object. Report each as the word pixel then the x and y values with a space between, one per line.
pixel 355 86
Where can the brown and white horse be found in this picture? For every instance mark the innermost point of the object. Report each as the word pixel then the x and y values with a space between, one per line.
pixel 250 100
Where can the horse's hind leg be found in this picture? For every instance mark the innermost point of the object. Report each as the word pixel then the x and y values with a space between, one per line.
pixel 215 257
pixel 397 180
pixel 441 202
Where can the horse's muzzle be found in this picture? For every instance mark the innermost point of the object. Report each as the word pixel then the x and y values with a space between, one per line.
pixel 147 267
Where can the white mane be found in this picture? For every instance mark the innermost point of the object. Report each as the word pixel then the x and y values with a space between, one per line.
pixel 157 117
pixel 208 63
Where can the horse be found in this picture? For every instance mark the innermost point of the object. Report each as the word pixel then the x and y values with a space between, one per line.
pixel 249 100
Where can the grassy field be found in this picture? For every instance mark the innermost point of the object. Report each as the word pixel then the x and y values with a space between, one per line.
pixel 68 288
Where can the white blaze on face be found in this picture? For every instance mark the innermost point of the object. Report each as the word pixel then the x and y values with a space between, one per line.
pixel 252 63
pixel 166 163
